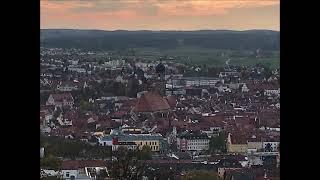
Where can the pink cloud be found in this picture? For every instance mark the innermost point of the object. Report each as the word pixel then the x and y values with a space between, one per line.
pixel 169 7
pixel 209 7
pixel 107 13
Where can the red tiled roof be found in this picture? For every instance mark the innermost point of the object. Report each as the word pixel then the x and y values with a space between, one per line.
pixel 172 101
pixel 76 164
pixel 151 102
pixel 119 114
pixel 262 86
pixel 62 97
pixel 47 108
pixel 238 139
pixel 232 157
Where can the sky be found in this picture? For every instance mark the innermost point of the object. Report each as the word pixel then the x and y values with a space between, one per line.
pixel 160 14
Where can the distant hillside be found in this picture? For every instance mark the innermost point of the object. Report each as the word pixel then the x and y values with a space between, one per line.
pixel 121 39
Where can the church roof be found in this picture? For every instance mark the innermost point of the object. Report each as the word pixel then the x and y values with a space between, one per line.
pixel 172 101
pixel 151 102
pixel 160 68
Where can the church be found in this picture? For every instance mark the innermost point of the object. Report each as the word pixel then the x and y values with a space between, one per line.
pixel 153 102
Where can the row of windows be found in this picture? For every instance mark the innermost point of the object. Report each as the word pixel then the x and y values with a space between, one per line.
pixel 197 147
pixel 141 143
pixel 199 144
pixel 150 143
pixel 154 148
pixel 199 140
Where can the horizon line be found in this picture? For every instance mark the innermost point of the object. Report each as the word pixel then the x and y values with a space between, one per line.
pixel 160 29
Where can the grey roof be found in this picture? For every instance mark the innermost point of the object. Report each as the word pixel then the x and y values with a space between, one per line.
pixel 193 136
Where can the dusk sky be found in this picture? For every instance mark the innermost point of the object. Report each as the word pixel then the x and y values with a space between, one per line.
pixel 160 14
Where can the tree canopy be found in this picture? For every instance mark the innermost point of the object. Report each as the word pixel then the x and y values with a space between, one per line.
pixel 144 153
pixel 218 144
pixel 50 162
pixel 72 149
pixel 201 175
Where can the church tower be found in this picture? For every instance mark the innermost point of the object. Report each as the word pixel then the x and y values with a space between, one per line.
pixel 160 82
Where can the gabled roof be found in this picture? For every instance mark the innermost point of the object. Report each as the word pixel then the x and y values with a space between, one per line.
pixel 151 102
pixel 172 101
pixel 75 164
pixel 62 97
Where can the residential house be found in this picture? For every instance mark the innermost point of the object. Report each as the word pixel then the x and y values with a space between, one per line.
pixel 234 86
pixel 270 145
pixel 193 142
pixel 125 144
pixel 60 100
pixel 67 86
pixel 64 121
pixel 121 79
pixel 84 170
pixel 255 144
pixel 227 165
pixel 200 81
pixel 236 143
pixel 244 88
pixel 212 131
pixel 272 92
pixel 229 74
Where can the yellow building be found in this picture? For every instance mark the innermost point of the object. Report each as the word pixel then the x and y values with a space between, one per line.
pixel 153 144
pixel 236 144
pixel 151 140
pixel 237 148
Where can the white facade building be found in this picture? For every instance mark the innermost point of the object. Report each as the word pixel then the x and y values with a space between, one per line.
pixel 245 88
pixel 274 145
pixel 271 92
pixel 67 87
pixel 193 142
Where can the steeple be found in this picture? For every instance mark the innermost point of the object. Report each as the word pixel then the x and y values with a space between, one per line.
pixel 160 83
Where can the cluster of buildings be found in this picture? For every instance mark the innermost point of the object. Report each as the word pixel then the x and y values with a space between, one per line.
pixel 170 113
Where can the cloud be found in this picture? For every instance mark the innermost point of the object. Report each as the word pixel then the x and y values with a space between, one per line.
pixel 106 13
pixel 154 7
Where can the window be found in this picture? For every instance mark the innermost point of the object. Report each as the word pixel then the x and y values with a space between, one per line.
pixel 67 174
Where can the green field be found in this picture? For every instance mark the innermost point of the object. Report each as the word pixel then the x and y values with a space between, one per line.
pixel 210 57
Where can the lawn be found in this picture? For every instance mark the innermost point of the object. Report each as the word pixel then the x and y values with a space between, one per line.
pixel 210 57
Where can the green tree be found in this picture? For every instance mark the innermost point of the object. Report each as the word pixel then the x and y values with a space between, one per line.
pixel 51 178
pixel 218 144
pixel 126 165
pixel 201 175
pixel 144 153
pixel 50 162
pixel 85 106
pixel 100 152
